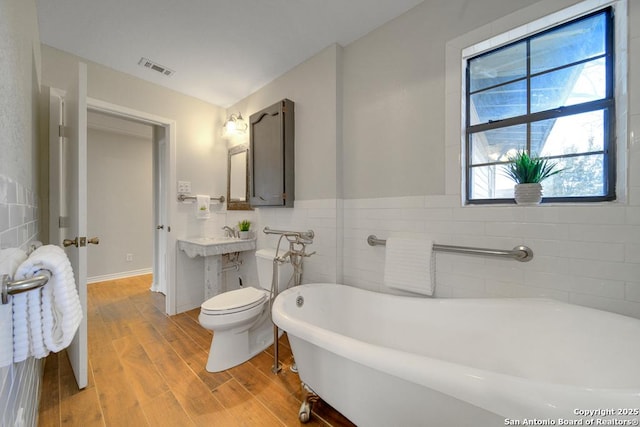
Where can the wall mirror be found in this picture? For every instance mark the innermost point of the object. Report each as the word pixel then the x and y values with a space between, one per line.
pixel 238 178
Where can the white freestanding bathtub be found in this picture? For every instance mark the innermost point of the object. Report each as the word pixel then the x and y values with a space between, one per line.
pixel 384 360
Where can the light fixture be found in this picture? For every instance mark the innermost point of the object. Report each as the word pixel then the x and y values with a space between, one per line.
pixel 235 124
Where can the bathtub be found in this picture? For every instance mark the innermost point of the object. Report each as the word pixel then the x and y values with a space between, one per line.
pixel 384 360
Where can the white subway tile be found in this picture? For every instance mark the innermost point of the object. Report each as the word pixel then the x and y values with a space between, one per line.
pixel 604 270
pixel 461 281
pixel 633 215
pixel 599 287
pixel 514 290
pixel 384 214
pixel 634 196
pixel 601 251
pixel 489 213
pixel 632 291
pixel 632 253
pixel 627 308
pixel 4 217
pixel 604 233
pixel 388 202
pixel 454 228
pixel 449 201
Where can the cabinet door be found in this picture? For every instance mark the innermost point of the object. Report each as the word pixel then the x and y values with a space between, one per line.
pixel 272 155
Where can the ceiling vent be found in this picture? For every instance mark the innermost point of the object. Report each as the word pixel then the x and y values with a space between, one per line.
pixel 147 63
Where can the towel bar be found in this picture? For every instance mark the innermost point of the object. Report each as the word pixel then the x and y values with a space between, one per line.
pixel 10 287
pixel 182 198
pixel 309 235
pixel 519 253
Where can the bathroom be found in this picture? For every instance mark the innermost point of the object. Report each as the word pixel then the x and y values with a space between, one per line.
pixel 376 154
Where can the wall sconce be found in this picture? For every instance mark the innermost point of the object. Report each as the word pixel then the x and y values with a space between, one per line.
pixel 235 124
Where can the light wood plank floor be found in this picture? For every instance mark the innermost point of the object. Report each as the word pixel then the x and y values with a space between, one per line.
pixel 148 369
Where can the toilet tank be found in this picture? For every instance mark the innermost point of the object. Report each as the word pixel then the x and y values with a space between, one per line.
pixel 264 262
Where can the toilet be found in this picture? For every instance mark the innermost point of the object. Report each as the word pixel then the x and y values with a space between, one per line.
pixel 240 319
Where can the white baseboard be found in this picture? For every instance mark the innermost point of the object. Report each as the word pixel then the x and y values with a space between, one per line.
pixel 121 275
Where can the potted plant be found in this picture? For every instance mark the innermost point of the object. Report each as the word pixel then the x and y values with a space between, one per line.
pixel 243 227
pixel 528 172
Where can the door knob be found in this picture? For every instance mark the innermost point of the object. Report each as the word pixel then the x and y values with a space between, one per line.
pixel 68 242
pixel 94 240
pixel 159 227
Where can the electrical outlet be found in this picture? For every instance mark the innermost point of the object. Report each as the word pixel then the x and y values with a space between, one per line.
pixel 129 257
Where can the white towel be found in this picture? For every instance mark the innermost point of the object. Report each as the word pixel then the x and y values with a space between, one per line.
pixel 408 265
pixel 203 201
pixel 54 311
pixel 10 259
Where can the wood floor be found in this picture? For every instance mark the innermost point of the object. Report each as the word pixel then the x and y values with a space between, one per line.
pixel 148 369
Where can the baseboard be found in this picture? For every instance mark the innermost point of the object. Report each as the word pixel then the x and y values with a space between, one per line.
pixel 121 275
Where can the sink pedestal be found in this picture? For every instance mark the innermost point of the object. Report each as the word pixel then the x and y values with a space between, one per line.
pixel 199 268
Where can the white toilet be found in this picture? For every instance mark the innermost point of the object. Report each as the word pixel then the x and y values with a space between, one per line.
pixel 240 319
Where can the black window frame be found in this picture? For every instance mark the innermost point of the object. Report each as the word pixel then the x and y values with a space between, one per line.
pixel 607 105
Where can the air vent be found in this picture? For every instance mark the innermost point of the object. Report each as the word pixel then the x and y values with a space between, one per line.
pixel 147 63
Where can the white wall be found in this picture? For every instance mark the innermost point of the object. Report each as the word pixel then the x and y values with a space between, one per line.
pixel 586 254
pixel 398 173
pixel 394 94
pixel 200 151
pixel 375 130
pixel 315 87
pixel 19 192
pixel 120 190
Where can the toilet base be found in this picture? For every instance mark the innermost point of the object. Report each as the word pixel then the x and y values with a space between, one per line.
pixel 231 348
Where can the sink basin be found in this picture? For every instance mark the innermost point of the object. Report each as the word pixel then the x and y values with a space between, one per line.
pixel 211 240
pixel 208 246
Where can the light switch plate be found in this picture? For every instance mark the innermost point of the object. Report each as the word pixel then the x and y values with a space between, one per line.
pixel 184 187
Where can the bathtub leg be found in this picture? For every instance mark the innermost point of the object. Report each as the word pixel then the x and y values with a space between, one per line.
pixel 304 414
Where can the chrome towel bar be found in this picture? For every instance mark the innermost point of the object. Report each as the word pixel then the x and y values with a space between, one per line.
pixel 519 253
pixel 183 197
pixel 10 287
pixel 309 234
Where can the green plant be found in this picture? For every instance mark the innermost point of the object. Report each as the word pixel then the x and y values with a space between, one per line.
pixel 244 225
pixel 525 169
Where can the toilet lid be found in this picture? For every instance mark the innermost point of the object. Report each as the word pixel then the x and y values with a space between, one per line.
pixel 233 301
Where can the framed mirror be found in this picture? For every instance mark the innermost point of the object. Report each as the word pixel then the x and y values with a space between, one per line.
pixel 238 178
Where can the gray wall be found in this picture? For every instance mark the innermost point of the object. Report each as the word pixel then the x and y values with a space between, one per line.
pixel 119 200
pixel 19 192
pixel 394 97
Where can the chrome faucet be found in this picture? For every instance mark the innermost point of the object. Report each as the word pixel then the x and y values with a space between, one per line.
pixel 229 232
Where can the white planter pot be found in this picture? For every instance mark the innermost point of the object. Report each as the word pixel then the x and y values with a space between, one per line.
pixel 245 234
pixel 527 194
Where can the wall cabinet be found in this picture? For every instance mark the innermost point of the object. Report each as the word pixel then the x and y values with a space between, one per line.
pixel 272 155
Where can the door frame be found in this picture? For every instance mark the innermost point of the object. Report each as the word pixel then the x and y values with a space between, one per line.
pixel 168 172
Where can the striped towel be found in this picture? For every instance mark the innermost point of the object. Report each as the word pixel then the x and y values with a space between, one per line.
pixel 408 265
pixel 54 311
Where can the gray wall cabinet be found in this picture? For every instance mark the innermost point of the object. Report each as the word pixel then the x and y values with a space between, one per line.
pixel 272 155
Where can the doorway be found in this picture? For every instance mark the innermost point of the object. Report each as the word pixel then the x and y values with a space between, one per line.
pixel 119 197
pixel 162 173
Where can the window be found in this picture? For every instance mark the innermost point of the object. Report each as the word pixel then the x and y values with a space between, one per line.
pixel 552 95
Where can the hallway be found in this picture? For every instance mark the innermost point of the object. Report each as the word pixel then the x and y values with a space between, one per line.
pixel 148 369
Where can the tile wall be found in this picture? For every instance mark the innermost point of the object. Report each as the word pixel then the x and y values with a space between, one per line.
pixel 587 255
pixel 20 382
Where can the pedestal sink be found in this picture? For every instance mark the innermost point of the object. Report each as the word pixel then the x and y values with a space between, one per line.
pixel 211 250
